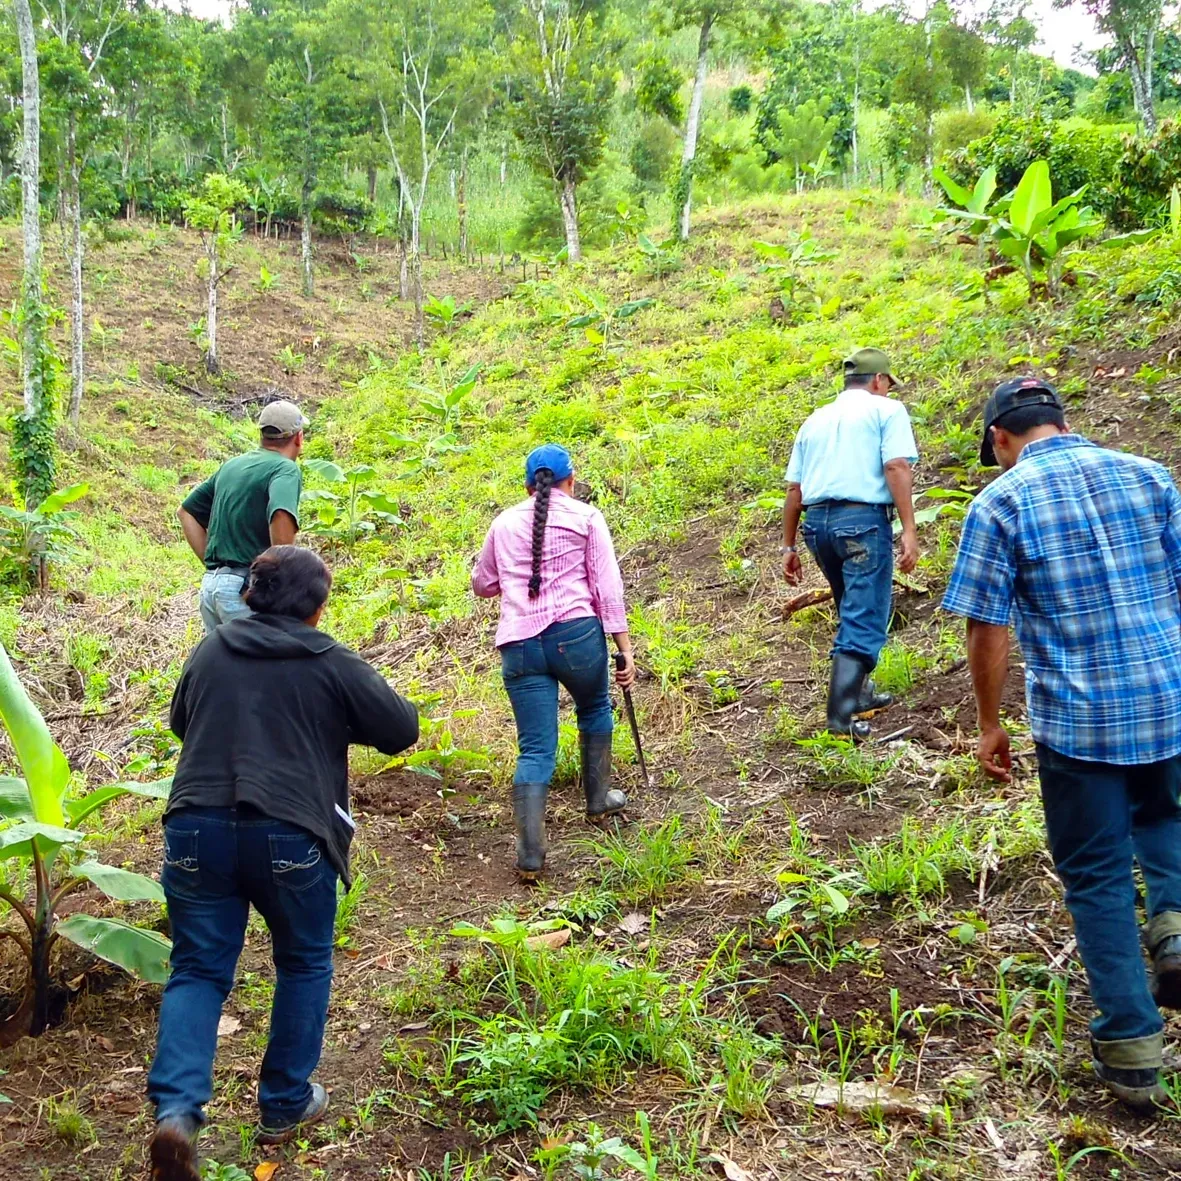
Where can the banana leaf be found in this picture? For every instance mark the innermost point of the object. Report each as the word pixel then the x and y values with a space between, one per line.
pixel 78 810
pixel 46 771
pixel 15 801
pixel 122 885
pixel 142 953
pixel 1032 197
pixel 17 839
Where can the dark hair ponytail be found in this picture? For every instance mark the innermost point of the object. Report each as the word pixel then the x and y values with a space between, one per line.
pixel 543 481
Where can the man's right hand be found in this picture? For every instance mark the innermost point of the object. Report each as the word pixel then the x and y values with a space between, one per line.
pixel 793 571
pixel 992 752
pixel 909 557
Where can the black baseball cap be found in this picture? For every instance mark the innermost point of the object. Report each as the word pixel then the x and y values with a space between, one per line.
pixel 1014 394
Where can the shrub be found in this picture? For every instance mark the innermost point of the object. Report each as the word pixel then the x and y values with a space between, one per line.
pixel 1078 154
pixel 956 129
pixel 1146 171
pixel 563 422
pixel 654 152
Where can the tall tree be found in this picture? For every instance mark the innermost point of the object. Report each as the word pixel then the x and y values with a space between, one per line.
pixel 1134 25
pixel 707 17
pixel 966 55
pixel 562 56
pixel 33 440
pixel 81 32
pixel 415 56
pixel 305 101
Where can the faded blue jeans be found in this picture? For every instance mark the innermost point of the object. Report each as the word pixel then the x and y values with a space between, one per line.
pixel 573 654
pixel 217 862
pixel 1099 817
pixel 221 596
pixel 853 545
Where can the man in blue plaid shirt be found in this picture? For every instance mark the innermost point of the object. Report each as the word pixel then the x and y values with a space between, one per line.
pixel 1081 548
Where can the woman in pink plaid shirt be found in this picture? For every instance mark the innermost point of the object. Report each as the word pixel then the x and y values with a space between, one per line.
pixel 551 561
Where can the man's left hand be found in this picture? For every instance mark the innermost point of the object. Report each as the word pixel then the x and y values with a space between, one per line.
pixel 793 570
pixel 909 556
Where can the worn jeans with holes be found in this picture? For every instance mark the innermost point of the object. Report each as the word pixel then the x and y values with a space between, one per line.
pixel 573 654
pixel 853 545
pixel 217 862
pixel 1098 818
pixel 220 597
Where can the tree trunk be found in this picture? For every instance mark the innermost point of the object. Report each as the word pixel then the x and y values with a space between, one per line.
pixel 968 99
pixel 74 248
pixel 855 144
pixel 305 241
pixel 461 205
pixel 569 203
pixel 692 125
pixel 371 183
pixel 212 364
pixel 32 327
pixel 1140 75
pixel 403 270
pixel 415 262
pixel 503 165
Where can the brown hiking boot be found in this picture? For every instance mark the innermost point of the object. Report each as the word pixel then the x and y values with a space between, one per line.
pixel 1166 972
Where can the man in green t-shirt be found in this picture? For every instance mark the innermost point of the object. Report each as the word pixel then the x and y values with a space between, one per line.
pixel 249 504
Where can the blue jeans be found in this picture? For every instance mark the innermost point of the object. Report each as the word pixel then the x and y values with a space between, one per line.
pixel 853 545
pixel 573 654
pixel 217 861
pixel 1098 818
pixel 220 597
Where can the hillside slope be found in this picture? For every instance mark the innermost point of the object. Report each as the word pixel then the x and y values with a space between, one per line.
pixel 922 938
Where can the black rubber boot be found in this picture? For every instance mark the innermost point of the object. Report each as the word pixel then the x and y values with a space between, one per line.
pixel 844 695
pixel 602 800
pixel 870 699
pixel 1166 972
pixel 529 809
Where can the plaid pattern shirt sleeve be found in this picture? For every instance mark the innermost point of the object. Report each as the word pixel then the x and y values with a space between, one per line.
pixel 1171 535
pixel 981 585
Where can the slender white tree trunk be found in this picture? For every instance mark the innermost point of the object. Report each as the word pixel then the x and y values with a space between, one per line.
pixel 30 199
pixel 74 250
pixel 212 364
pixel 415 267
pixel 569 201
pixel 969 100
pixel 693 124
pixel 305 242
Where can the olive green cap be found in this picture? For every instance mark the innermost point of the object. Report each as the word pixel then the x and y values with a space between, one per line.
pixel 867 362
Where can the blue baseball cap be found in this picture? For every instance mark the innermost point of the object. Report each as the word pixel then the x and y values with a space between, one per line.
pixel 548 455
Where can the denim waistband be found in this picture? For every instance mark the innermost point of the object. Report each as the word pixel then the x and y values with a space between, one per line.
pixel 828 504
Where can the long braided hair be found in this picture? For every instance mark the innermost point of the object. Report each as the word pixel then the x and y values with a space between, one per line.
pixel 543 482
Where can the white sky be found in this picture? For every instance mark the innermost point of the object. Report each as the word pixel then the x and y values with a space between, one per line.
pixel 1062 29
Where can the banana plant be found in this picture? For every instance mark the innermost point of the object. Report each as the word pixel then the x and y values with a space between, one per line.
pixel 40 828
pixel 602 322
pixel 344 516
pixel 973 203
pixel 445 407
pixel 1035 230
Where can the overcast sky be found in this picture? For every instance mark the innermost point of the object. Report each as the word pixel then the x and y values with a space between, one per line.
pixel 1062 29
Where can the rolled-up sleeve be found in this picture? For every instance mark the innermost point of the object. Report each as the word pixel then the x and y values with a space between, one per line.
pixel 485 575
pixel 981 585
pixel 606 581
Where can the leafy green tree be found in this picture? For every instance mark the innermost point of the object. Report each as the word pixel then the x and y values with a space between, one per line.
pixel 33 442
pixel 561 56
pixel 658 87
pixel 211 211
pixel 1134 24
pixel 304 116
pixel 966 54
pixel 707 17
pixel 801 137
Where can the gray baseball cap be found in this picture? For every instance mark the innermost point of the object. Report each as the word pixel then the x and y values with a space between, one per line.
pixel 281 420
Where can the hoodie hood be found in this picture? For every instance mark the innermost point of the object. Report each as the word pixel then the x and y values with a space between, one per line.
pixel 273 637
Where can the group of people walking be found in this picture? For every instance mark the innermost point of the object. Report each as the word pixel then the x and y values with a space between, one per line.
pixel 1078 546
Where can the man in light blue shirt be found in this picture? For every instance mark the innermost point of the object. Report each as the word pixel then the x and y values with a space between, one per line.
pixel 850 469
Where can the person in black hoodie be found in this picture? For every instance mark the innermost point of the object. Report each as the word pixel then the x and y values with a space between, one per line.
pixel 259 814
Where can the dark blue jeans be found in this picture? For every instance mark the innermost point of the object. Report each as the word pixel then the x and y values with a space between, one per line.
pixel 1098 818
pixel 217 862
pixel 573 654
pixel 853 545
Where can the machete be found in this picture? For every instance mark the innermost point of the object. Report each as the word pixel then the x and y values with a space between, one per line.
pixel 621 662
